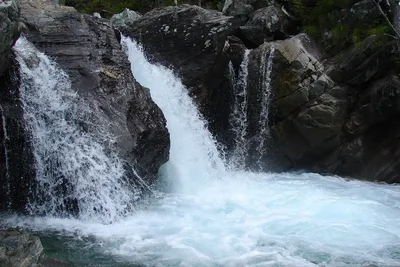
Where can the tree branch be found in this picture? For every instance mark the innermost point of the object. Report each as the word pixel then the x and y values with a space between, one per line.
pixel 387 19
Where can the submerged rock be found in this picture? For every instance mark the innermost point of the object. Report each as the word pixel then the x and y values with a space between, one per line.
pixel 19 249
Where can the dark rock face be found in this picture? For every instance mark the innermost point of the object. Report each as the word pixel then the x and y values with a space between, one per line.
pixel 323 121
pixel 87 48
pixel 19 249
pixel 16 158
pixel 9 11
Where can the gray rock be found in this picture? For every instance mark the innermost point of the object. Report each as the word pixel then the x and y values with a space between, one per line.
pixel 267 24
pixel 239 9
pixel 124 20
pixel 19 249
pixel 9 32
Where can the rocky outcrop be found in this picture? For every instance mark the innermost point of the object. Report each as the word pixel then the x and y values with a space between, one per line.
pixel 88 49
pixel 9 11
pixel 19 249
pixel 323 121
pixel 125 19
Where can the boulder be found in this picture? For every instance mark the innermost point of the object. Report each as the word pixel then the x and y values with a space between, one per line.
pixel 267 24
pixel 240 9
pixel 19 249
pixel 9 32
pixel 124 20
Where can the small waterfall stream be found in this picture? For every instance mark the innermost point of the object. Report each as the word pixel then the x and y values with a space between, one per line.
pixel 265 70
pixel 238 119
pixel 7 166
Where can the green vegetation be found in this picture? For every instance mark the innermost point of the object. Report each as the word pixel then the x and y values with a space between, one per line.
pixel 117 6
pixel 316 16
pixel 319 16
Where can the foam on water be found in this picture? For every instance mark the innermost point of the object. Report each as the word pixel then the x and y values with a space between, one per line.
pixel 256 220
pixel 240 218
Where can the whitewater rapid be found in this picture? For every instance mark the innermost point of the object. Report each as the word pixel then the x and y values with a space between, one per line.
pixel 212 216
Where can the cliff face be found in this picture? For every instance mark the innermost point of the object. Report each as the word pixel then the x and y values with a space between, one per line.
pixel 330 104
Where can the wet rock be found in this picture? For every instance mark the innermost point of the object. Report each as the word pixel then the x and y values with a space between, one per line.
pixel 19 249
pixel 9 32
pixel 17 171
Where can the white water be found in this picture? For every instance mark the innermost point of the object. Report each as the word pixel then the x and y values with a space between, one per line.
pixel 193 153
pixel 5 139
pixel 238 118
pixel 265 71
pixel 71 163
pixel 221 218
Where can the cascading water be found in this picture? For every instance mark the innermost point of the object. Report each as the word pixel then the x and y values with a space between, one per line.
pixel 234 218
pixel 193 153
pixel 7 166
pixel 238 119
pixel 265 71
pixel 74 169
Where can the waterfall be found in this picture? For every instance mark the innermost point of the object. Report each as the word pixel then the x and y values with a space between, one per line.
pixel 238 118
pixel 76 168
pixel 193 150
pixel 265 81
pixel 215 216
pixel 6 160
